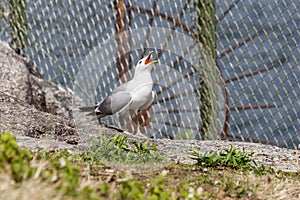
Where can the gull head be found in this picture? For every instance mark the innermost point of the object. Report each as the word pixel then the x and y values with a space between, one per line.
pixel 145 64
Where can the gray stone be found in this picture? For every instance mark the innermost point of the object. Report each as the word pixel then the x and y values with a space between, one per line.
pixel 30 106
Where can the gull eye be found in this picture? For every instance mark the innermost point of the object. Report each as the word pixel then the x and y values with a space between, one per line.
pixel 140 62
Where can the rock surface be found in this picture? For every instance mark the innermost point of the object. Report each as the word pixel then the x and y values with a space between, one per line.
pixel 30 106
pixel 43 116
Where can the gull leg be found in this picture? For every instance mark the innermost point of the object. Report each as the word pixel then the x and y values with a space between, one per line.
pixel 138 131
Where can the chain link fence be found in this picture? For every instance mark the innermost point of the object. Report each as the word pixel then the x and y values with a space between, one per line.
pixel 227 69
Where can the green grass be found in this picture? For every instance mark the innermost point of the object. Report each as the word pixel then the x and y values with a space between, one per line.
pixel 231 157
pixel 13 160
pixel 230 174
pixel 118 149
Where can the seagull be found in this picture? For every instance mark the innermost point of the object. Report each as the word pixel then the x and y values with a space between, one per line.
pixel 133 96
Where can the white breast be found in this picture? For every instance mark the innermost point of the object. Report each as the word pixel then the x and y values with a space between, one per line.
pixel 141 95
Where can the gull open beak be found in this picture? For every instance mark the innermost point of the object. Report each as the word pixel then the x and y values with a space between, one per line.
pixel 147 61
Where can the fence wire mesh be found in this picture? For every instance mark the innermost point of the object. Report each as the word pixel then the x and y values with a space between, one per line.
pixel 227 69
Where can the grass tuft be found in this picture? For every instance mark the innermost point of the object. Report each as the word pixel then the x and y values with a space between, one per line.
pixel 119 149
pixel 231 157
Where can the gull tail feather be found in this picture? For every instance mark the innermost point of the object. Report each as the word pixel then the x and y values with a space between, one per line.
pixel 88 109
pixel 91 111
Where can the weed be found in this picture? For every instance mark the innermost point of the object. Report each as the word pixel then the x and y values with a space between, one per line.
pixel 229 184
pixel 261 170
pixel 87 193
pixel 240 192
pixel 68 174
pixel 118 149
pixel 205 180
pixel 43 154
pixel 61 169
pixel 132 190
pixel 13 160
pixel 157 189
pixel 104 190
pixel 231 157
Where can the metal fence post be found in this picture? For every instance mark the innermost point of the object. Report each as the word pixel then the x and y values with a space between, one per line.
pixel 18 24
pixel 206 36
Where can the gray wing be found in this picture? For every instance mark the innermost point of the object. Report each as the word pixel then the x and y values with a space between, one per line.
pixel 121 88
pixel 149 102
pixel 114 103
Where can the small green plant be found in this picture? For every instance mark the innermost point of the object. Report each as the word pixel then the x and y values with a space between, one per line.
pixel 119 149
pixel 55 155
pixel 153 190
pixel 143 148
pixel 205 180
pixel 14 160
pixel 61 165
pixel 240 192
pixel 132 189
pixel 158 190
pixel 104 190
pixel 231 157
pixel 68 173
pixel 17 163
pixel 238 188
